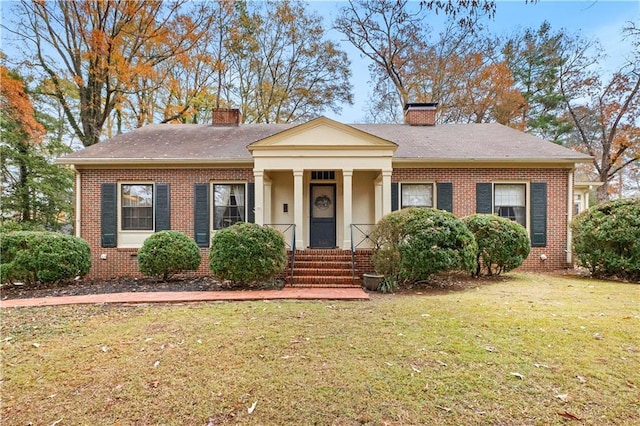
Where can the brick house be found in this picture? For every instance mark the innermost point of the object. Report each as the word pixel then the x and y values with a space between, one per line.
pixel 322 183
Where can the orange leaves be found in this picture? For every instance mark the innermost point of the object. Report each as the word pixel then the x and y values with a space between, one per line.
pixel 17 105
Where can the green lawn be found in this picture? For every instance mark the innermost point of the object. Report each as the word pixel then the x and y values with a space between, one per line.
pixel 532 349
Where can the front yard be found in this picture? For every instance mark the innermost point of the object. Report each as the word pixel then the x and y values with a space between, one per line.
pixel 532 349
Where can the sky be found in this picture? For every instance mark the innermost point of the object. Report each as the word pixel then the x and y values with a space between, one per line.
pixel 599 19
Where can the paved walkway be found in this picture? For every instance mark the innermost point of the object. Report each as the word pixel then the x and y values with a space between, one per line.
pixel 195 296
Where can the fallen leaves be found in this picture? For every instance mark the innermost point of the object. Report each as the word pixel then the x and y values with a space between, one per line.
pixel 568 415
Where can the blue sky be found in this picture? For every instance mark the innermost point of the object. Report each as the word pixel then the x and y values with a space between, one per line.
pixel 599 19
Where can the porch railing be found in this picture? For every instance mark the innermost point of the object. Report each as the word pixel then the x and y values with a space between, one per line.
pixel 360 235
pixel 285 229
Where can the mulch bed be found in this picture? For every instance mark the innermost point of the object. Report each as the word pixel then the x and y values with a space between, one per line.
pixel 115 285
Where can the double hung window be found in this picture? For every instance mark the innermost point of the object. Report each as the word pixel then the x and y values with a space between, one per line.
pixel 229 205
pixel 137 207
pixel 510 202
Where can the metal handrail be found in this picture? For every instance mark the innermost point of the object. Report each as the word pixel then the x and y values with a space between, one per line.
pixel 284 228
pixel 365 236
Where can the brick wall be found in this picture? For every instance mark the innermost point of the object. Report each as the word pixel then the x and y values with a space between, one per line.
pixel 464 202
pixel 181 181
pixel 120 262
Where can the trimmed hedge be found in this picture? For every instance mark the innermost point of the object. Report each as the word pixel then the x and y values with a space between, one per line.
pixel 503 244
pixel 32 256
pixel 167 253
pixel 606 239
pixel 414 243
pixel 247 252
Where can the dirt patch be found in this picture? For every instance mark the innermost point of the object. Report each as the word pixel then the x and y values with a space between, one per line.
pixel 122 285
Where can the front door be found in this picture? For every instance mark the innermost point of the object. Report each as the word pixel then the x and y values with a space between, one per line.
pixel 322 230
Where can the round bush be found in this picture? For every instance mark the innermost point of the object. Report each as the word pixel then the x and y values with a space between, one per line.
pixel 415 243
pixel 167 253
pixel 502 243
pixel 31 256
pixel 606 239
pixel 246 252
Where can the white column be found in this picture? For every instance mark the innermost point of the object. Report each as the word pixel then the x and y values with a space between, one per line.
pixel 347 206
pixel 267 199
pixel 258 177
pixel 298 207
pixel 377 198
pixel 570 216
pixel 386 192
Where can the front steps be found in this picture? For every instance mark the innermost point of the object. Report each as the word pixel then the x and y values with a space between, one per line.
pixel 328 268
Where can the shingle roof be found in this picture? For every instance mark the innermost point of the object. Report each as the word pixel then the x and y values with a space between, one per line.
pixel 205 143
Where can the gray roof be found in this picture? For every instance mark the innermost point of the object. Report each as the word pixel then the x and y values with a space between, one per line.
pixel 206 143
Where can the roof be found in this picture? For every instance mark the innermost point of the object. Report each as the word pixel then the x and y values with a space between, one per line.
pixel 200 143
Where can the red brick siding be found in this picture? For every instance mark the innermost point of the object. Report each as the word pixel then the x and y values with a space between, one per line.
pixel 181 181
pixel 122 262
pixel 420 117
pixel 464 202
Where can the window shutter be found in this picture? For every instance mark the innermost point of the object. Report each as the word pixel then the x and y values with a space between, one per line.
pixel 484 198
pixel 251 202
pixel 108 214
pixel 201 214
pixel 394 197
pixel 445 196
pixel 163 207
pixel 538 214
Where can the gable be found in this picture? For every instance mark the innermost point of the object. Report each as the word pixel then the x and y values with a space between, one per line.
pixel 323 133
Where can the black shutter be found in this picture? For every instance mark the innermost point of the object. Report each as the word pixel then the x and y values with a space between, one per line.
pixel 445 196
pixel 108 214
pixel 484 198
pixel 395 205
pixel 201 214
pixel 251 202
pixel 163 207
pixel 538 214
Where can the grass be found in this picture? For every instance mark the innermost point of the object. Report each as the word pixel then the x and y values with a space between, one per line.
pixel 532 349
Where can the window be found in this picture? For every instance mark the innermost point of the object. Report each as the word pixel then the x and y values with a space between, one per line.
pixel 228 204
pixel 323 175
pixel 510 202
pixel 137 207
pixel 416 195
pixel 577 203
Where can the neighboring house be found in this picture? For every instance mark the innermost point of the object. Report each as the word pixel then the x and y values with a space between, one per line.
pixel 321 176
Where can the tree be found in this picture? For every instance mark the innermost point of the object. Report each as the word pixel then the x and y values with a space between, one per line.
pixel 605 113
pixel 282 67
pixel 103 47
pixel 535 60
pixel 460 70
pixel 34 189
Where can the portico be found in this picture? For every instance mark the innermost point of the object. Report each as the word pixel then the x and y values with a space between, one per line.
pixel 322 176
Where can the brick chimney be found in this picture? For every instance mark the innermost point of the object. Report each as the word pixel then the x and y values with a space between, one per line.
pixel 420 114
pixel 226 117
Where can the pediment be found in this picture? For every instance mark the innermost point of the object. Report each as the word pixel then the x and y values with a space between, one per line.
pixel 322 133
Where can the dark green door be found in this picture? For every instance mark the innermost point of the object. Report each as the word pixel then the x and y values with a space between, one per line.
pixel 322 231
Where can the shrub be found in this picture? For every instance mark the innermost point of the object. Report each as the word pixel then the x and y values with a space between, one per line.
pixel 32 256
pixel 502 243
pixel 246 252
pixel 415 243
pixel 606 239
pixel 167 253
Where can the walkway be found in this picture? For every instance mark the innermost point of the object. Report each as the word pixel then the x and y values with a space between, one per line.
pixel 195 296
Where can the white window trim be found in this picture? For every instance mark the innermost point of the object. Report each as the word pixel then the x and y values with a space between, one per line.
pixel 134 238
pixel 527 201
pixel 211 198
pixel 434 192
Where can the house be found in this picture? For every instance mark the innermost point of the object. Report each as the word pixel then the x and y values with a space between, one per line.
pixel 323 183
